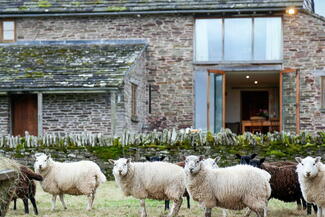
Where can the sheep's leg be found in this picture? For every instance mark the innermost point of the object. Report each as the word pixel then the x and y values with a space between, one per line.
pixel 299 207
pixel 143 208
pixel 62 201
pixel 25 200
pixel 308 205
pixel 176 206
pixel 188 201
pixel 166 204
pixel 207 212
pixel 15 204
pixel 53 201
pixel 248 213
pixel 319 211
pixel 314 207
pixel 32 200
pixel 90 201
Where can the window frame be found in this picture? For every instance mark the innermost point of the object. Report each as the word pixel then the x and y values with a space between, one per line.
pixel 2 31
pixel 322 93
pixel 134 116
pixel 280 61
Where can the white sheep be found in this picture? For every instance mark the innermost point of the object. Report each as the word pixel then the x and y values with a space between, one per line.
pixel 153 180
pixel 311 176
pixel 234 187
pixel 76 178
pixel 211 163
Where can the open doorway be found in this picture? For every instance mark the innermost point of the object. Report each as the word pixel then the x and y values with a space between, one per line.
pixel 252 101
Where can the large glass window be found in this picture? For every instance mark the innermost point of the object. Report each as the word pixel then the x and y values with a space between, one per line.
pixel 320 7
pixel 209 43
pixel 238 39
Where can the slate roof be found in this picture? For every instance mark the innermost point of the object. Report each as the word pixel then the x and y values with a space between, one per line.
pixel 120 6
pixel 70 64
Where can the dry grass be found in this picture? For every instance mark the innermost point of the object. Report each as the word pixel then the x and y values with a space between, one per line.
pixel 110 202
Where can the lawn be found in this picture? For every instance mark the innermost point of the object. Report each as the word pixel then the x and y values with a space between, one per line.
pixel 110 202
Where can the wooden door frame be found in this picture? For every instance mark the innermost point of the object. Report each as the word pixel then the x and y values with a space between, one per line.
pixel 297 81
pixel 223 73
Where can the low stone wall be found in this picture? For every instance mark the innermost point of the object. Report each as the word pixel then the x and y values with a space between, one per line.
pixel 172 153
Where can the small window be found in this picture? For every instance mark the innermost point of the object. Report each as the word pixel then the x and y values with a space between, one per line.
pixel 323 92
pixel 7 28
pixel 134 102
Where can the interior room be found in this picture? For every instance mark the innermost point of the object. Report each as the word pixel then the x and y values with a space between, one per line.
pixel 252 101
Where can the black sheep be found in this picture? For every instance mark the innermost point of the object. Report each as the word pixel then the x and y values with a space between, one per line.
pixel 26 188
pixel 284 180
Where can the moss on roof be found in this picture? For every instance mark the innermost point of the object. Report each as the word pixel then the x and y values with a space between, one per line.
pixel 70 6
pixel 66 65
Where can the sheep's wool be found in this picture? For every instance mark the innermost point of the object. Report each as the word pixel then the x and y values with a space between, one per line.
pixel 234 187
pixel 153 180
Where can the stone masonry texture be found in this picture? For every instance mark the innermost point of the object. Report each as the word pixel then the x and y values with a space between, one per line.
pixel 169 57
pixel 304 49
pixel 169 54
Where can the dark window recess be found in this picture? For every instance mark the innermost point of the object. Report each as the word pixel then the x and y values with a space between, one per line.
pixel 134 116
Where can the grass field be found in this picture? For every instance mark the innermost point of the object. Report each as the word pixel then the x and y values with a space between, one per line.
pixel 110 202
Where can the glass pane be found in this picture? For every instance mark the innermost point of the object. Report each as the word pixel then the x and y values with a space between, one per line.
pixel 201 79
pixel 323 92
pixel 8 25
pixel 208 39
pixel 267 38
pixel 8 35
pixel 238 39
pixel 212 101
pixel 288 102
pixel 218 102
pixel 320 7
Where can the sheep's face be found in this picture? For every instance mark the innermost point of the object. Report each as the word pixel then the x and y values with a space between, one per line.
pixel 42 161
pixel 308 166
pixel 193 164
pixel 121 167
pixel 211 163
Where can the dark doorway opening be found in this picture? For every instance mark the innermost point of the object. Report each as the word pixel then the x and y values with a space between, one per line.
pixel 24 114
pixel 253 103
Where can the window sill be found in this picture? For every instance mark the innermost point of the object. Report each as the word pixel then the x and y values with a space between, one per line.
pixel 238 62
pixel 134 119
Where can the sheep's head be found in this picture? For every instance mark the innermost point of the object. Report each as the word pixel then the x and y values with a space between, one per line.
pixel 308 166
pixel 121 166
pixel 193 164
pixel 155 158
pixel 249 160
pixel 42 161
pixel 211 163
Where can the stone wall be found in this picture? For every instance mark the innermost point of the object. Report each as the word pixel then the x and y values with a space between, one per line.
pixel 4 115
pixel 77 113
pixel 304 49
pixel 169 58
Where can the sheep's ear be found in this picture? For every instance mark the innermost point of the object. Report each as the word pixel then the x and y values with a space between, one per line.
pixel 148 158
pixel 217 159
pixel 238 156
pixel 262 160
pixel 128 160
pixel 162 158
pixel 253 156
pixel 317 159
pixel 298 159
pixel 111 161
pixel 201 158
pixel 183 158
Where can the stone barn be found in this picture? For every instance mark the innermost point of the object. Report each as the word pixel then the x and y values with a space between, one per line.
pixel 107 66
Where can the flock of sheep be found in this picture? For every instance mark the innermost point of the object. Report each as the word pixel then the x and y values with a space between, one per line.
pixel 248 185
